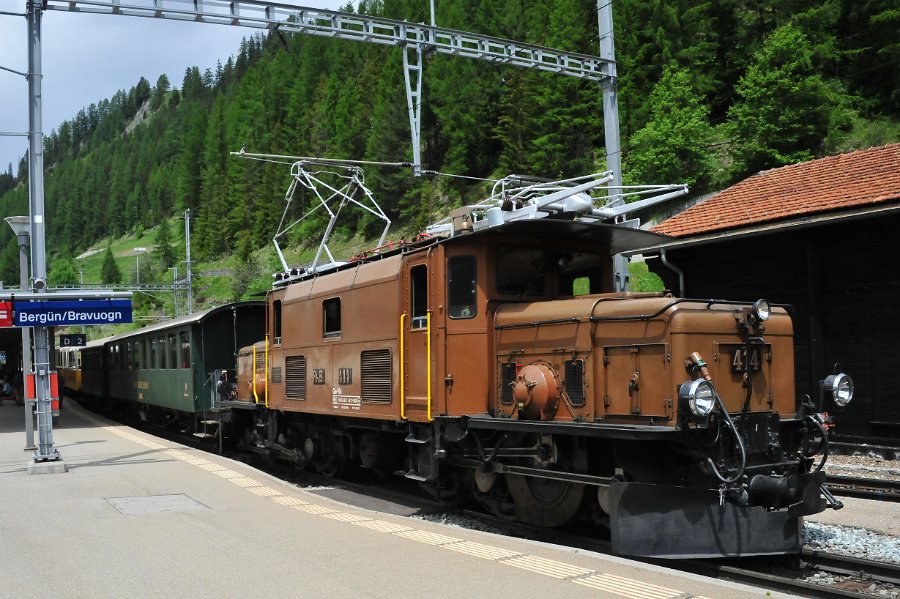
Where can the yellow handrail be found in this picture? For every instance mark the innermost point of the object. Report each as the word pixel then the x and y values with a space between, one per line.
pixel 428 351
pixel 266 388
pixel 253 375
pixel 402 381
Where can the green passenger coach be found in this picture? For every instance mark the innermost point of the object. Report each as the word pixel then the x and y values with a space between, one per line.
pixel 164 371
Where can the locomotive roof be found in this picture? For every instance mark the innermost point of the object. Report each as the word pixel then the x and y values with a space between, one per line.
pixel 196 317
pixel 613 238
pixel 616 238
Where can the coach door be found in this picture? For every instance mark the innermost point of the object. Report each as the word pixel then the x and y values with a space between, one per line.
pixel 416 393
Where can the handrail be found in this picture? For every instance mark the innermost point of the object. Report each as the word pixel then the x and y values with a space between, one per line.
pixel 253 375
pixel 428 351
pixel 402 380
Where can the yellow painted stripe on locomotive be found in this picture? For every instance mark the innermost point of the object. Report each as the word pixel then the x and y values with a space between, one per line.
pixel 402 369
pixel 428 351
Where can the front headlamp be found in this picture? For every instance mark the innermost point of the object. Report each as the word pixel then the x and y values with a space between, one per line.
pixel 841 388
pixel 761 310
pixel 699 395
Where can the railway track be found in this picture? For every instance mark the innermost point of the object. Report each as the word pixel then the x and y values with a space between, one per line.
pixel 861 447
pixel 866 488
pixel 788 574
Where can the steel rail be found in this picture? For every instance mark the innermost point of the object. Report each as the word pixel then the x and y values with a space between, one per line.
pixel 853 566
pixel 864 487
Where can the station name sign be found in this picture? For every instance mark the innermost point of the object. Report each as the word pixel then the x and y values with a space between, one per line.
pixel 68 313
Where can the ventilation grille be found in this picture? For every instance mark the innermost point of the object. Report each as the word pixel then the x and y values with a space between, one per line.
pixel 260 360
pixel 575 382
pixel 295 371
pixel 508 374
pixel 375 375
pixel 275 375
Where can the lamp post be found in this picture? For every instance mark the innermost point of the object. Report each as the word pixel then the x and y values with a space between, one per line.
pixel 21 226
pixel 41 334
pixel 137 256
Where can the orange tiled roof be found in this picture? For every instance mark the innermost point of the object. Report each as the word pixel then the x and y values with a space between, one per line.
pixel 860 178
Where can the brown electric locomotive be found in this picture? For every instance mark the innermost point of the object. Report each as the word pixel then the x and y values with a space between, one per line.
pixel 492 361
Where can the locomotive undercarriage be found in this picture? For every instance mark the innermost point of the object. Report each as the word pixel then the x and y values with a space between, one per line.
pixel 658 498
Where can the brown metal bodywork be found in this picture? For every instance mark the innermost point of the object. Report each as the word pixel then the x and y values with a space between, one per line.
pixel 634 367
pixel 630 367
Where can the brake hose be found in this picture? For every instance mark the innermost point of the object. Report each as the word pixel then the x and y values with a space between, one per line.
pixel 824 444
pixel 737 435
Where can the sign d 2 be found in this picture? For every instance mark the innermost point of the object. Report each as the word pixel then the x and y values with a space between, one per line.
pixel 76 340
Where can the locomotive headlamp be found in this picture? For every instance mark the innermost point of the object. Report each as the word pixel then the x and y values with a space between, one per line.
pixel 841 388
pixel 699 395
pixel 761 310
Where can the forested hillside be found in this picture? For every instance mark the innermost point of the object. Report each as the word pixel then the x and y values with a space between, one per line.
pixel 710 92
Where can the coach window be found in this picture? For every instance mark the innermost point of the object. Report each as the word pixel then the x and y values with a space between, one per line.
pixel 462 287
pixel 173 352
pixel 129 357
pixel 152 360
pixel 276 321
pixel 162 351
pixel 331 316
pixel 418 289
pixel 145 355
pixel 185 350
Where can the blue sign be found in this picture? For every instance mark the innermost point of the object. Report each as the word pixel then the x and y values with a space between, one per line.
pixel 68 313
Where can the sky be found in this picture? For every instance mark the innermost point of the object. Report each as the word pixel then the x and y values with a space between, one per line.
pixel 88 58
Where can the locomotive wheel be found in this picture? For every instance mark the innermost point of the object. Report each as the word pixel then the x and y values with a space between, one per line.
pixel 333 467
pixel 547 502
pixel 544 502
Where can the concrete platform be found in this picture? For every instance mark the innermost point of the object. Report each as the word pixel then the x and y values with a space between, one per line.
pixel 136 516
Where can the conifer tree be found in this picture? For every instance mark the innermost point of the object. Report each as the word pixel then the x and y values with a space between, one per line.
pixel 164 244
pixel 785 109
pixel 671 148
pixel 109 271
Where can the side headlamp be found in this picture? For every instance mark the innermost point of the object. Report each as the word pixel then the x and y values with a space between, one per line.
pixel 841 388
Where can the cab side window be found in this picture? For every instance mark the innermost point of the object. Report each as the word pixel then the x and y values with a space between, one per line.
pixel 276 320
pixel 418 276
pixel 462 287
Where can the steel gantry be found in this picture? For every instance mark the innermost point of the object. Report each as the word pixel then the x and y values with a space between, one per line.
pixel 415 39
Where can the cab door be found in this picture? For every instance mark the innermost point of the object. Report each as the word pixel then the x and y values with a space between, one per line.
pixel 416 393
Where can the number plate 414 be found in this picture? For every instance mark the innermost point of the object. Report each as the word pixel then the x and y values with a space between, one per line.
pixel 742 360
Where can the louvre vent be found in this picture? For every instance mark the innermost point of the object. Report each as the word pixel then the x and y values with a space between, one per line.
pixel 375 375
pixel 508 374
pixel 276 375
pixel 575 382
pixel 295 376
pixel 260 360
